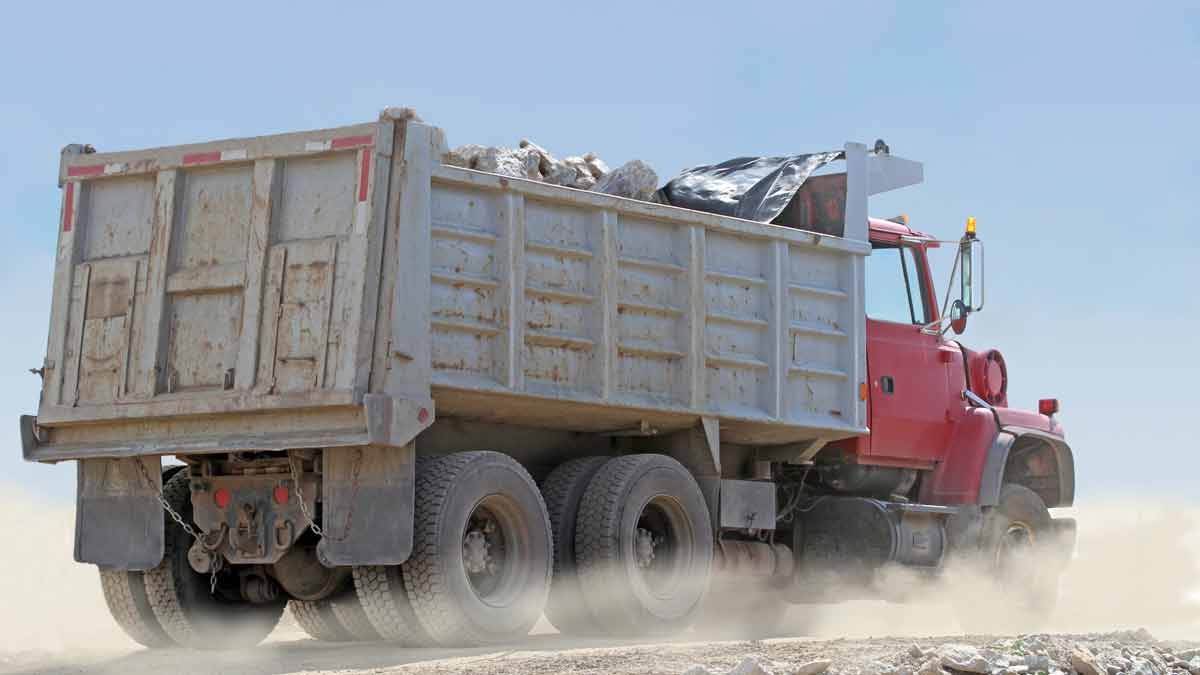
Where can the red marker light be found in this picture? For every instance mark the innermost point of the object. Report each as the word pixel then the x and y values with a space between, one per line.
pixel 423 415
pixel 1048 406
pixel 221 498
pixel 281 495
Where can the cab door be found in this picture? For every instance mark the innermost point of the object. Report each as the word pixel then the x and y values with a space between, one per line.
pixel 908 391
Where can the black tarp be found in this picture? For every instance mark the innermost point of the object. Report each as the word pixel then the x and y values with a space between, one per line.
pixel 765 189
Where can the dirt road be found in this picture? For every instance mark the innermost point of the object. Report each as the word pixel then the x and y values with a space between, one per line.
pixel 1134 652
pixel 1135 566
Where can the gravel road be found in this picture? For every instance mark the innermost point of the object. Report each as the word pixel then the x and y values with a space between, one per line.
pixel 1126 652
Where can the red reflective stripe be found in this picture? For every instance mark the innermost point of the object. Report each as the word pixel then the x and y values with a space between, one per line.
pixel 350 141
pixel 201 158
pixel 68 207
pixel 90 170
pixel 364 174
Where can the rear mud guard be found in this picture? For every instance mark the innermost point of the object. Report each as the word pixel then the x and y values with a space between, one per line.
pixel 368 505
pixel 118 519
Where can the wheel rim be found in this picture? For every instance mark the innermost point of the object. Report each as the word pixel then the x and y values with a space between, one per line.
pixel 1016 563
pixel 662 547
pixel 495 551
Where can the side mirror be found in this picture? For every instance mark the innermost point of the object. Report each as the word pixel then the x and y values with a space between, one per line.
pixel 970 253
pixel 968 265
pixel 958 317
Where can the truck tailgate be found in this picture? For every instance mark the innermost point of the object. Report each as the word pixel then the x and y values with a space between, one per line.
pixel 221 277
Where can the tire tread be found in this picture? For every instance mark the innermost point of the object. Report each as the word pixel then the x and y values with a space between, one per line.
pixel 133 614
pixel 316 618
pixel 563 491
pixel 428 587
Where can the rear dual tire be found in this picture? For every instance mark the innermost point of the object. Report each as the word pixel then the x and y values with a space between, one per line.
pixel 480 568
pixel 643 546
pixel 563 490
pixel 338 618
pixel 125 595
pixel 181 599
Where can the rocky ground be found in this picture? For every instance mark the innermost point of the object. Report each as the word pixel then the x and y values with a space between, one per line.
pixel 1118 653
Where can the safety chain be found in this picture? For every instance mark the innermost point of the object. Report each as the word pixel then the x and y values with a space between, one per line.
pixel 312 522
pixel 218 559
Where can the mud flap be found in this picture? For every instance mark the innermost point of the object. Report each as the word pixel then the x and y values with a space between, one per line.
pixel 368 505
pixel 118 519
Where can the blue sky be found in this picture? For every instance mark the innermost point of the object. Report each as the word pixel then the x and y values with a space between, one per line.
pixel 1068 129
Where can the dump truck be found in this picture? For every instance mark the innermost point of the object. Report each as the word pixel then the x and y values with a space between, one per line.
pixel 430 404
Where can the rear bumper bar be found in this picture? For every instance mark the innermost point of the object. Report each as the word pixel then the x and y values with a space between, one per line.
pixel 380 420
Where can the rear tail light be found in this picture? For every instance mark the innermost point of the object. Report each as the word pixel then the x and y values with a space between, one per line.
pixel 1048 406
pixel 221 498
pixel 281 495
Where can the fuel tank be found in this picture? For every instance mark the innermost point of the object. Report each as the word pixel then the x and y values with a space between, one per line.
pixel 844 546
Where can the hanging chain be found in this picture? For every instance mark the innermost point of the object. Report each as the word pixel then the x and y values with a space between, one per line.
pixel 218 559
pixel 312 522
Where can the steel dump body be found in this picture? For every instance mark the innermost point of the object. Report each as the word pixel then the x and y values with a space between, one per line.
pixel 337 287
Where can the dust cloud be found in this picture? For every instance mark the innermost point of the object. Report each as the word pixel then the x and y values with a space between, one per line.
pixel 51 603
pixel 1136 566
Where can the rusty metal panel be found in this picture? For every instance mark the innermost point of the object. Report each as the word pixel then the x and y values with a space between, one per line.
pixel 317 197
pixel 107 325
pixel 116 217
pixel 202 341
pixel 186 275
pixel 304 284
pixel 469 314
pixel 646 316
pixel 561 309
pixel 652 305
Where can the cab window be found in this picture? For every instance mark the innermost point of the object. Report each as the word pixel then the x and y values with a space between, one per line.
pixel 895 286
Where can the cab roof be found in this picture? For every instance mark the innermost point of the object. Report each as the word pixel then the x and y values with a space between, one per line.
pixel 890 229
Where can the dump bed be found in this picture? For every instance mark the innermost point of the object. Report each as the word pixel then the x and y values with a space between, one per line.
pixel 336 287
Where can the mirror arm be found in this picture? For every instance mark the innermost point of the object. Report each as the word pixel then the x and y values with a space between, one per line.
pixel 949 287
pixel 937 327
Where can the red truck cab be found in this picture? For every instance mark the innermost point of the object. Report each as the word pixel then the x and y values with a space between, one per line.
pixel 936 406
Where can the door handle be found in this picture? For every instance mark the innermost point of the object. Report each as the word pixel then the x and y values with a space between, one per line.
pixel 887 384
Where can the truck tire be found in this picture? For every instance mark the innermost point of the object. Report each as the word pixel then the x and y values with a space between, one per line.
pixel 316 618
pixel 338 618
pixel 563 490
pixel 125 595
pixel 186 609
pixel 644 546
pixel 353 617
pixel 482 553
pixel 1006 586
pixel 386 606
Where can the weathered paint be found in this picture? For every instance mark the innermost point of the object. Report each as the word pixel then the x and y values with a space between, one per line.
pixel 244 275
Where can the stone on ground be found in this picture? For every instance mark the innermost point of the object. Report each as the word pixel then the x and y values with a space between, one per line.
pixel 964 658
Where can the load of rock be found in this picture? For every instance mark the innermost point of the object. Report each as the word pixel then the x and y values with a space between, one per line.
pixel 1120 653
pixel 633 179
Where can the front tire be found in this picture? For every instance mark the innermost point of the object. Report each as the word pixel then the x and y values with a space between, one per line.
pixel 187 610
pixel 1008 585
pixel 644 546
pixel 482 550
